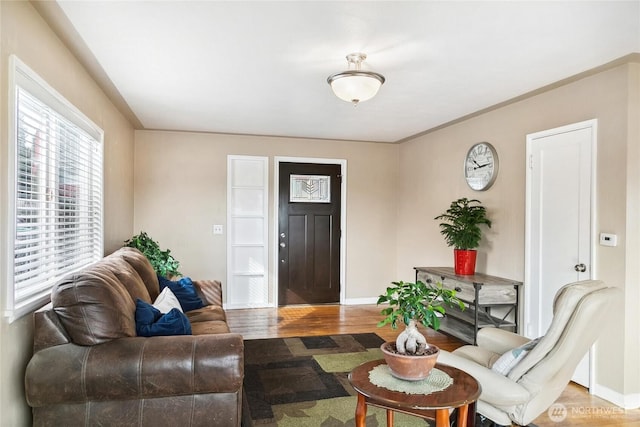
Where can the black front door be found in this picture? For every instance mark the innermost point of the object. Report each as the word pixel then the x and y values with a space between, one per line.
pixel 309 233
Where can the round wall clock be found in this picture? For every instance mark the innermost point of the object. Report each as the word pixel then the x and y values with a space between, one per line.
pixel 481 166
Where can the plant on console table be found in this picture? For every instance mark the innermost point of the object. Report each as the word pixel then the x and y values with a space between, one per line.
pixel 411 357
pixel 162 262
pixel 461 229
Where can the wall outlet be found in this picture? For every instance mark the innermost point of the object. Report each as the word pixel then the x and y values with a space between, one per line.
pixel 218 229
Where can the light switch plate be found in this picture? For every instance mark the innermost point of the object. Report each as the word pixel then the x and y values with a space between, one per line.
pixel 607 239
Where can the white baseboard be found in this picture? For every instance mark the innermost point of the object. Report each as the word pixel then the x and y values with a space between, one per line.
pixel 236 306
pixel 348 301
pixel 626 401
pixel 360 301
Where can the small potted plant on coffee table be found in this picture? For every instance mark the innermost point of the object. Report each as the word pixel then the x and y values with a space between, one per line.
pixel 461 230
pixel 411 357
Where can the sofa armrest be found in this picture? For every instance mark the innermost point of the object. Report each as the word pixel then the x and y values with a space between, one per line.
pixel 210 291
pixel 499 341
pixel 136 368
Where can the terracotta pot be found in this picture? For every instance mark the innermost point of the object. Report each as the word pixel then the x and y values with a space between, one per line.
pixel 465 261
pixel 409 367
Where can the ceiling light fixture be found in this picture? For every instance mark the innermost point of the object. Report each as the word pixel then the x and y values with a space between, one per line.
pixel 355 85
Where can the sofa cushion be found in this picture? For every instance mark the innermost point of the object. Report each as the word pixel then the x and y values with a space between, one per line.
pixel 210 327
pixel 128 276
pixel 167 301
pixel 143 267
pixel 206 313
pixel 93 306
pixel 151 322
pixel 184 290
pixel 209 319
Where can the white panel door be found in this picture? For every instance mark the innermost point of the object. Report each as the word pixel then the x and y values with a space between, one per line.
pixel 559 221
pixel 247 223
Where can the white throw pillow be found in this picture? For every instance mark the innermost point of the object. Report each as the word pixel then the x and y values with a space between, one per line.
pixel 166 301
pixel 511 358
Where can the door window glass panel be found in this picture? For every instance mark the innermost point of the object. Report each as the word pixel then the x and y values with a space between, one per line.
pixel 310 189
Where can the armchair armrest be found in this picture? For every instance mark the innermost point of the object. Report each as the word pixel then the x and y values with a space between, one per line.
pixel 497 389
pixel 499 341
pixel 136 368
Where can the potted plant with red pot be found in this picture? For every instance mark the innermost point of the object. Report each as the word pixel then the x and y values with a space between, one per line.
pixel 461 229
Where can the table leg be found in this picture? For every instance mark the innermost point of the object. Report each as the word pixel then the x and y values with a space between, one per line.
pixel 389 418
pixel 471 417
pixel 361 411
pixel 463 413
pixel 442 418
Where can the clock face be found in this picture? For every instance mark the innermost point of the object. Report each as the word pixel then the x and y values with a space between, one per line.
pixel 481 166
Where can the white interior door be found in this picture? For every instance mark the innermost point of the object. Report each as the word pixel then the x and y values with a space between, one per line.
pixel 559 221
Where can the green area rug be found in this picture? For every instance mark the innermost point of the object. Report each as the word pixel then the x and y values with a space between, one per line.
pixel 302 382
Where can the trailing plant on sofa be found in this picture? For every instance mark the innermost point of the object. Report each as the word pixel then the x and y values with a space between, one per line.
pixel 163 262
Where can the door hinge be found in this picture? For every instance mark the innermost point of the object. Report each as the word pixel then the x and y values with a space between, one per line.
pixel 530 161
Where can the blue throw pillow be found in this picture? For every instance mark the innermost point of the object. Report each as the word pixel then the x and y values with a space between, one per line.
pixel 184 290
pixel 150 322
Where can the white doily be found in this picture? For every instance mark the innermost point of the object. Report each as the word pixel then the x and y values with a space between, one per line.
pixel 436 381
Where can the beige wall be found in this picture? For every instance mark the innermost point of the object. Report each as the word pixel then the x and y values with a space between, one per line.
pixel 24 33
pixel 180 192
pixel 632 277
pixel 439 156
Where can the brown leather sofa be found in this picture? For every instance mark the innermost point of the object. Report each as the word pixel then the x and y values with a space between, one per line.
pixel 90 368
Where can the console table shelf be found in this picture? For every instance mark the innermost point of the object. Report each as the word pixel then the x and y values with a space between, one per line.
pixel 480 293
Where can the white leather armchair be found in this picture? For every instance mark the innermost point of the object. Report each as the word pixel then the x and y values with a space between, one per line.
pixel 537 380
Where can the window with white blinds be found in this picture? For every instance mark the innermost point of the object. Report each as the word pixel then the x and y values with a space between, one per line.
pixel 56 218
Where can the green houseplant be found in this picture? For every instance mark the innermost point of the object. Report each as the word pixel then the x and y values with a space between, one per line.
pixel 461 229
pixel 162 261
pixel 411 357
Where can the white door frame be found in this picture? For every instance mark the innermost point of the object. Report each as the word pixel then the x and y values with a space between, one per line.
pixel 343 217
pixel 528 310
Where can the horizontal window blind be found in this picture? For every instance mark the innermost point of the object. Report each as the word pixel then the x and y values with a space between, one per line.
pixel 58 200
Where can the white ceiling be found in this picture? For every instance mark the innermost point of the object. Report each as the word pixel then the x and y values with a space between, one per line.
pixel 260 67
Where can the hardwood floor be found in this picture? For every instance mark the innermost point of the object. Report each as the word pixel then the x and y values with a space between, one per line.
pixel 582 409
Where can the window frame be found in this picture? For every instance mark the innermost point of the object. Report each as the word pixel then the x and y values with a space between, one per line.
pixel 20 75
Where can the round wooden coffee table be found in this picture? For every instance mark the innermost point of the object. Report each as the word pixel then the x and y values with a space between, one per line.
pixel 462 394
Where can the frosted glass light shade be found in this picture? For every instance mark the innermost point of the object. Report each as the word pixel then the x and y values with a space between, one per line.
pixel 355 86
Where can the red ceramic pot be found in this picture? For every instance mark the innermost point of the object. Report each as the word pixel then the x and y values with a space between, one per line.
pixel 465 261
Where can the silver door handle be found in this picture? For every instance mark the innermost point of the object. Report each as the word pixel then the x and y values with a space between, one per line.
pixel 580 268
pixel 282 244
